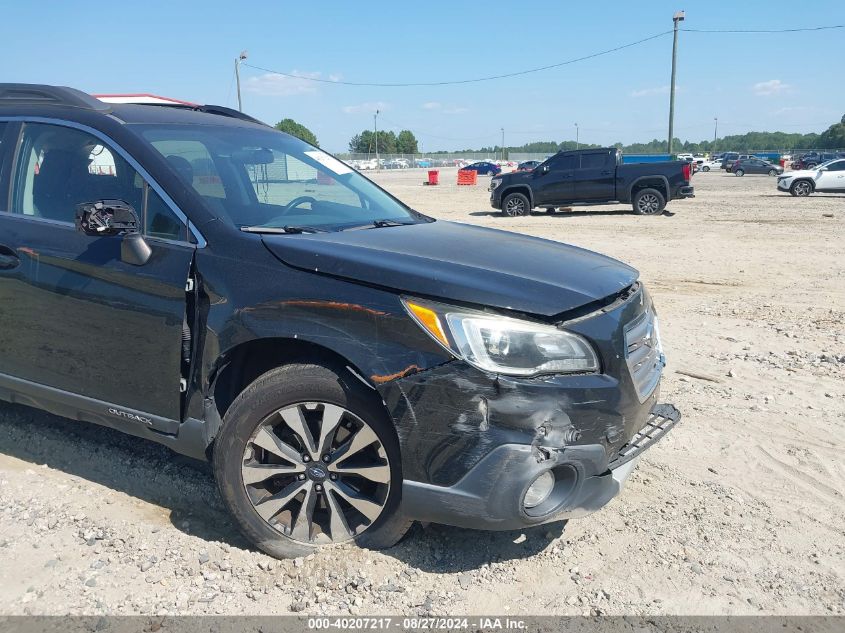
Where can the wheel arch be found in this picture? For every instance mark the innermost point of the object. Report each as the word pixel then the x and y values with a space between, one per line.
pixel 661 183
pixel 521 188
pixel 239 366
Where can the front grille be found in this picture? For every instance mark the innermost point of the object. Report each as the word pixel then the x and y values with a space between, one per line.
pixel 643 353
pixel 660 421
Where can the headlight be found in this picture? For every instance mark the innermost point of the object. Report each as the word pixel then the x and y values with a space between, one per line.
pixel 504 345
pixel 495 182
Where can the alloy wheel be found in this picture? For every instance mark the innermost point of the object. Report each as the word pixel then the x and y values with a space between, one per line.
pixel 515 207
pixel 317 473
pixel 648 204
pixel 802 188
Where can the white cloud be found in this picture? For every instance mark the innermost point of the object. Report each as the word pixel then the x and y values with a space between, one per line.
pixel 273 85
pixel 368 107
pixel 648 92
pixel 769 88
pixel 335 77
pixel 445 109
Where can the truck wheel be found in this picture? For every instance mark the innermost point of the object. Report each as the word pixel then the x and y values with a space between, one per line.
pixel 705 168
pixel 740 172
pixel 307 458
pixel 801 188
pixel 516 204
pixel 649 202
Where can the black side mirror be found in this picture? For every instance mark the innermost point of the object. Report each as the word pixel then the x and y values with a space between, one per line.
pixel 110 218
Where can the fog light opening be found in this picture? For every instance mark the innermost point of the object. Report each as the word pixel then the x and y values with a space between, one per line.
pixel 551 491
pixel 539 490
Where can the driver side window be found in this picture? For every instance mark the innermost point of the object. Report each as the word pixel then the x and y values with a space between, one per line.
pixel 59 168
pixel 562 163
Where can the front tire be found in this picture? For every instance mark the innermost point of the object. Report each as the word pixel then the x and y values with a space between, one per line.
pixel 515 205
pixel 308 457
pixel 649 202
pixel 773 172
pixel 705 168
pixel 801 188
pixel 740 172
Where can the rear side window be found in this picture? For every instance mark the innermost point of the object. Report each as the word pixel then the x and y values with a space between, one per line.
pixel 837 166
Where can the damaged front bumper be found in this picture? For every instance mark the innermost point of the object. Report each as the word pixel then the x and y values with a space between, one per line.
pixel 490 496
pixel 473 443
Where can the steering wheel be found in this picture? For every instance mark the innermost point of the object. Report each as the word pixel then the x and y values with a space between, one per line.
pixel 298 201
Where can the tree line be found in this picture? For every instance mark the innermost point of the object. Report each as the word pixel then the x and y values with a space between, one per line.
pixel 364 143
pixel 388 143
pixel 406 143
pixel 832 138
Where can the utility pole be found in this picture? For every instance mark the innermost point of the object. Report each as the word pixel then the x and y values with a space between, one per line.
pixel 678 17
pixel 503 143
pixel 375 127
pixel 238 61
pixel 577 138
pixel 715 131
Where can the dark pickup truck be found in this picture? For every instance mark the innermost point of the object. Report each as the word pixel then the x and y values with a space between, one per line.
pixel 591 176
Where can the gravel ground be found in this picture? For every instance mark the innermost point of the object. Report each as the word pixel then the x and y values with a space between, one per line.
pixel 738 511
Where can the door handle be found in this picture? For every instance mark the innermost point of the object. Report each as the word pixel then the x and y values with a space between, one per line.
pixel 8 258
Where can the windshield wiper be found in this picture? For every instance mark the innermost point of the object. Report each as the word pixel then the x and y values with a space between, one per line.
pixel 378 224
pixel 283 229
pixel 383 223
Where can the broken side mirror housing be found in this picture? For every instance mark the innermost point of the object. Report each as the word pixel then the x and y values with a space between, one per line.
pixel 111 218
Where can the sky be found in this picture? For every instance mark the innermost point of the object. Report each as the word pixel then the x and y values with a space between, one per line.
pixel 790 82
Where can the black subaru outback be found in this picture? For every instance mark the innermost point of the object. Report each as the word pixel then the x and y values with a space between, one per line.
pixel 191 276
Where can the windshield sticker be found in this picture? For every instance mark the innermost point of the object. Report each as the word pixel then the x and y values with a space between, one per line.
pixel 330 161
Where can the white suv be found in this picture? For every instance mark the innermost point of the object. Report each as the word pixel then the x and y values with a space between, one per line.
pixel 828 177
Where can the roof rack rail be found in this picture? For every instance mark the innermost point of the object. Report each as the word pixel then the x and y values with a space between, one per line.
pixel 224 111
pixel 40 94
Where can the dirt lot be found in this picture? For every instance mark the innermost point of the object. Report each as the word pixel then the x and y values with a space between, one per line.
pixel 740 510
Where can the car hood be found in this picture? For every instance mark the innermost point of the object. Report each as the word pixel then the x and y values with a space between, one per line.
pixel 801 173
pixel 463 263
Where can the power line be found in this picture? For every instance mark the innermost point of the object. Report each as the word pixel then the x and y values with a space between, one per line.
pixel 461 81
pixel 374 84
pixel 810 28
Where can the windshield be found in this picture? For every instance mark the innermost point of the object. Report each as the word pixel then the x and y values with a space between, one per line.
pixel 265 179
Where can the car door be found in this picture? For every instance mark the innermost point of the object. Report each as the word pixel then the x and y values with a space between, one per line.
pixel 595 180
pixel 832 178
pixel 553 181
pixel 76 320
